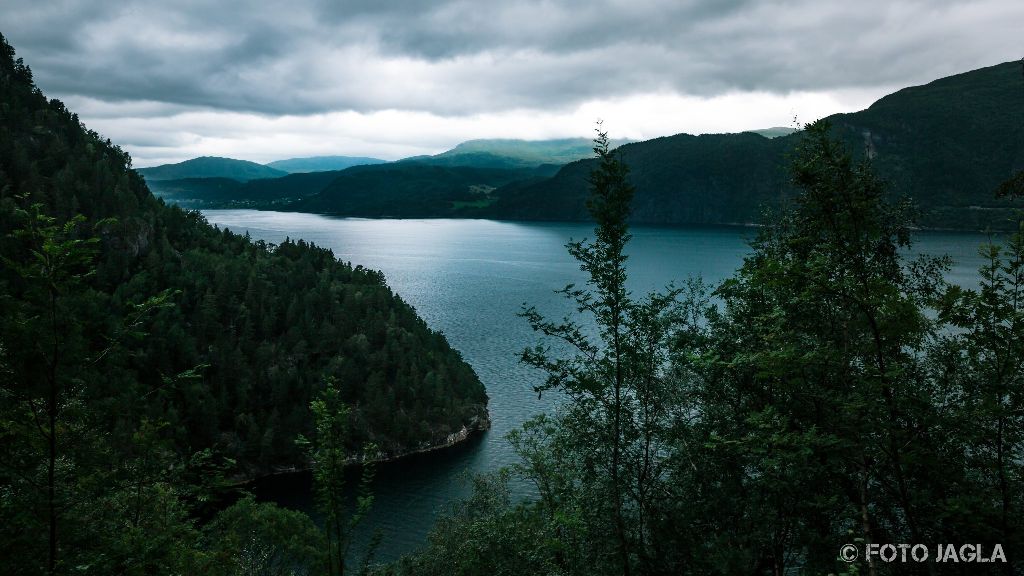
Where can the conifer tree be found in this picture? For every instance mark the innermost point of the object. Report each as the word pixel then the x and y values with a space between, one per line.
pixel 616 379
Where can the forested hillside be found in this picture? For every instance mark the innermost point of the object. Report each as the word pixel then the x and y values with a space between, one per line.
pixel 404 189
pixel 411 190
pixel 144 354
pixel 267 193
pixel 211 167
pixel 712 178
pixel 245 335
pixel 946 145
pixel 448 184
pixel 191 193
pixel 223 182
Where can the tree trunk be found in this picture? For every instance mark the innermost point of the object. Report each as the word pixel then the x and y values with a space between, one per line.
pixel 865 518
pixel 51 410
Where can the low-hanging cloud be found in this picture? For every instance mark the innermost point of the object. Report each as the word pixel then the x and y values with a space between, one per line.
pixel 465 58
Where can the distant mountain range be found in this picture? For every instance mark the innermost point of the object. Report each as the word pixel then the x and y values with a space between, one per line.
pixel 322 163
pixel 946 145
pixel 507 153
pixel 496 162
pixel 774 132
pixel 496 153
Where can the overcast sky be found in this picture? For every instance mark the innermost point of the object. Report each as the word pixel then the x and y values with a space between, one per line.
pixel 264 80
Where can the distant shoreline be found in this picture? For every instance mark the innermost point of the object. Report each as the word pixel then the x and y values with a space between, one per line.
pixel 745 225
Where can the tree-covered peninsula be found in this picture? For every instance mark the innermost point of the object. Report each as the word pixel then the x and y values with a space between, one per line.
pixel 144 353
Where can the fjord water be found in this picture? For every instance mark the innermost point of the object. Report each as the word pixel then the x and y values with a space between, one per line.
pixel 469 279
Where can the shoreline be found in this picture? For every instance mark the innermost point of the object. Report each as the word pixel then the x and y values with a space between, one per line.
pixel 1010 227
pixel 475 427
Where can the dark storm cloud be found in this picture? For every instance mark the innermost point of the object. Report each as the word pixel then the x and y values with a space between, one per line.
pixel 464 56
pixel 461 27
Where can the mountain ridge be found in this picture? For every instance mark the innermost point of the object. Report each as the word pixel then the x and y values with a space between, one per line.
pixel 321 163
pixel 210 167
pixel 946 145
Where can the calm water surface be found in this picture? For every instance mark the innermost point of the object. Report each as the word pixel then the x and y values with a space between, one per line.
pixel 469 279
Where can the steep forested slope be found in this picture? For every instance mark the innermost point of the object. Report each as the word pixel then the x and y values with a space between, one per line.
pixel 247 333
pixel 717 178
pixel 946 145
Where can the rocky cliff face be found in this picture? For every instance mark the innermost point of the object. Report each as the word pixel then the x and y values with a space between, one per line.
pixel 478 423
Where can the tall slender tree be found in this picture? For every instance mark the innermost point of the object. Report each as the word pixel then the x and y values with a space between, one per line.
pixel 59 258
pixel 330 455
pixel 616 379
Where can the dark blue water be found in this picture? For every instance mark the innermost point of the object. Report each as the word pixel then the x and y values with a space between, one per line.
pixel 469 279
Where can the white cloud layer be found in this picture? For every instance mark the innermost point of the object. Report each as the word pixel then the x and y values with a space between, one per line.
pixel 393 134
